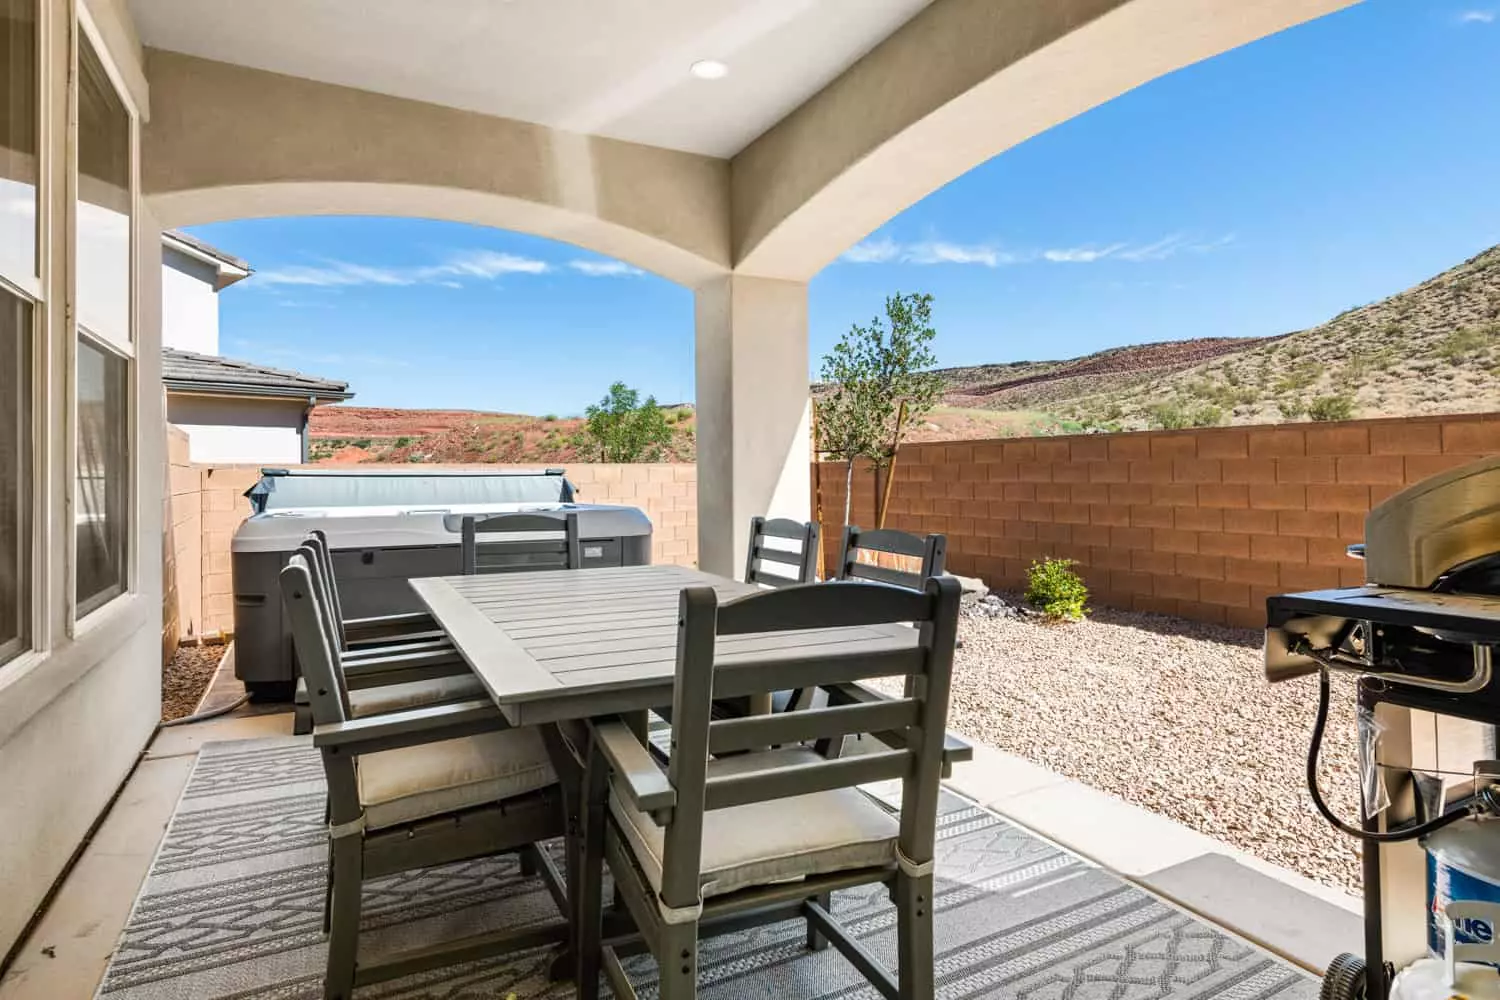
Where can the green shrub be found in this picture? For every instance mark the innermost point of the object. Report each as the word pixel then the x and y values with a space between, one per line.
pixel 1174 416
pixel 1339 407
pixel 1057 590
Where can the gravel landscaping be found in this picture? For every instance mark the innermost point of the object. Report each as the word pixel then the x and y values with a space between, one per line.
pixel 184 680
pixel 1172 715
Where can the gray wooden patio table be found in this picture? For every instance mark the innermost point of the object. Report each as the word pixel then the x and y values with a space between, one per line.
pixel 559 647
pixel 578 644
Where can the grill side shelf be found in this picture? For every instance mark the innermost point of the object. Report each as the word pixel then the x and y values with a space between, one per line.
pixel 1470 614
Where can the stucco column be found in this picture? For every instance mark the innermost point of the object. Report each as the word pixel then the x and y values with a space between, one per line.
pixel 753 412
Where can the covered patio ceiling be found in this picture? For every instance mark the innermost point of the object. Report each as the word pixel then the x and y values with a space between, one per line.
pixel 617 69
pixel 833 115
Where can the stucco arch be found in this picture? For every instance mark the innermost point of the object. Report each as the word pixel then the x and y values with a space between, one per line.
pixel 226 142
pixel 960 83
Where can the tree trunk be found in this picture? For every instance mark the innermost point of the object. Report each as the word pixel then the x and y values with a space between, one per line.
pixel 848 489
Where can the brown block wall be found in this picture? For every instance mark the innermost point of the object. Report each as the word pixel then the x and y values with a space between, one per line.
pixel 1201 523
pixel 178 562
pixel 668 494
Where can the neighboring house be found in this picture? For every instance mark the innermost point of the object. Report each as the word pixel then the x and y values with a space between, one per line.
pixel 232 411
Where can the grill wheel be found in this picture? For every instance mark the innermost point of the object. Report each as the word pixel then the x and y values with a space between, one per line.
pixel 1345 979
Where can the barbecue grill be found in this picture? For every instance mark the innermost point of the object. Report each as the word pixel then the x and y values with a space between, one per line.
pixel 1420 635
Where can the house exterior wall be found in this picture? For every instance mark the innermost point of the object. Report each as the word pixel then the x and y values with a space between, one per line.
pixel 189 304
pixel 1205 524
pixel 223 430
pixel 77 710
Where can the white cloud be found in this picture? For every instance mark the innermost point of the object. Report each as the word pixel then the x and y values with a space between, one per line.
pixel 604 268
pixel 1081 255
pixel 483 265
pixel 1477 17
pixel 942 252
pixel 873 251
pixel 929 252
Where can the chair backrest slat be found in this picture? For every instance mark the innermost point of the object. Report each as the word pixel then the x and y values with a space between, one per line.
pixel 729 790
pixel 823 605
pixel 833 665
pixel 803 557
pixel 786 728
pixel 562 546
pixel 319 538
pixel 326 691
pixel 931 550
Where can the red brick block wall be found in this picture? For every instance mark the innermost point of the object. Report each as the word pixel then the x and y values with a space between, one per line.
pixel 1200 523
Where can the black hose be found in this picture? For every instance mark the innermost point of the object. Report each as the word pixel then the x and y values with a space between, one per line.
pixel 1370 836
pixel 212 713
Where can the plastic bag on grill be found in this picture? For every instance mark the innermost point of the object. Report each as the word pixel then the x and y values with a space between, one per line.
pixel 1375 796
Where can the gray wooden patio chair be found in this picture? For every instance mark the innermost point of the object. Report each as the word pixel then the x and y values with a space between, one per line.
pixel 725 842
pixel 376 631
pixel 769 565
pixel 560 548
pixel 773 566
pixel 415 789
pixel 386 678
pixel 932 551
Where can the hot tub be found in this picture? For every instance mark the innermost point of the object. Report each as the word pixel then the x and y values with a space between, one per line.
pixel 385 527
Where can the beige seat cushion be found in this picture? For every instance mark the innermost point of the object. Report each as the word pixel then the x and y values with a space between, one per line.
pixel 777 841
pixel 412 783
pixel 369 701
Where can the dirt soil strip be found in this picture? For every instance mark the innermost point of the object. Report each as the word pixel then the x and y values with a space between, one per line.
pixel 1171 715
pixel 184 680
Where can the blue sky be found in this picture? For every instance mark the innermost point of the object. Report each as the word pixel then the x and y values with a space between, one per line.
pixel 1256 193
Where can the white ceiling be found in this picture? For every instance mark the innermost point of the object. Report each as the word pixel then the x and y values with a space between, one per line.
pixel 610 67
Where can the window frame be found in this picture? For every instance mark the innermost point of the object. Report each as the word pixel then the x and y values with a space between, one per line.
pixel 33 495
pixel 29 495
pixel 79 617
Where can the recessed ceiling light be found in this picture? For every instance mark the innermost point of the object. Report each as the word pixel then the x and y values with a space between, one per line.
pixel 709 69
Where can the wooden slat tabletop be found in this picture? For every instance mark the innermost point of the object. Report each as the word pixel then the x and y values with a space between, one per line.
pixel 578 643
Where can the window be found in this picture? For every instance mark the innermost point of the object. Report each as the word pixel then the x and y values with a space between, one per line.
pixel 104 201
pixel 15 474
pixel 101 497
pixel 102 375
pixel 19 113
pixel 18 142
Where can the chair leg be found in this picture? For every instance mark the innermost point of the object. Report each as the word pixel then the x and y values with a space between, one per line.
pixel 343 934
pixel 589 890
pixel 527 857
pixel 914 937
pixel 816 941
pixel 328 878
pixel 677 962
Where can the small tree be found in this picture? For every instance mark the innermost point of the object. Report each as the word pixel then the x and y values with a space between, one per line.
pixel 623 429
pixel 871 372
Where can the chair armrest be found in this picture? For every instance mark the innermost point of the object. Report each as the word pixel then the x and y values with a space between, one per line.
pixel 411 728
pixel 955 750
pixel 643 781
pixel 382 626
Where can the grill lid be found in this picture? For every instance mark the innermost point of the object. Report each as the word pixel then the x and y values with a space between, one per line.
pixel 1441 524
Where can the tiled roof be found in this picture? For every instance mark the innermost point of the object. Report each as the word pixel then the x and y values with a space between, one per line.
pixel 184 371
pixel 206 249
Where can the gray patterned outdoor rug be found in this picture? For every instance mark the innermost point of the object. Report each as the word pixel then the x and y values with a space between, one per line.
pixel 232 909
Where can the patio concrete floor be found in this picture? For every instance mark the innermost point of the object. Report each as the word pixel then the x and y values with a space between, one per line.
pixel 69 948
